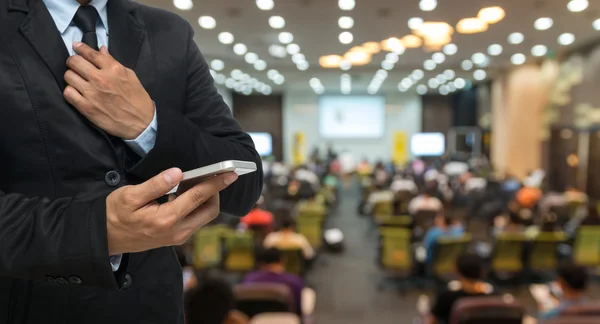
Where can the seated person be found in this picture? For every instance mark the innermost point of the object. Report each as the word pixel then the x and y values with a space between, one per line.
pixel 377 196
pixel 425 201
pixel 272 270
pixel 443 227
pixel 212 302
pixel 572 280
pixel 508 223
pixel 471 271
pixel 287 238
pixel 258 216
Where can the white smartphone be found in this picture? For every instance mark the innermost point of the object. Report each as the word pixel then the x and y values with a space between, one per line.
pixel 194 177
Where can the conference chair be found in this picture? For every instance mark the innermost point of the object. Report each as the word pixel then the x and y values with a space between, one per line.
pixel 422 221
pixel 543 254
pixel 488 310
pixel 395 257
pixel 239 252
pixel 294 261
pixel 446 252
pixel 591 309
pixel 586 249
pixel 208 246
pixel 258 298
pixel 311 226
pixel 404 221
pixel 574 320
pixel 507 260
pixel 276 318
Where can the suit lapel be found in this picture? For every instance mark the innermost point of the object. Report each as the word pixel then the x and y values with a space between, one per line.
pixel 125 33
pixel 40 30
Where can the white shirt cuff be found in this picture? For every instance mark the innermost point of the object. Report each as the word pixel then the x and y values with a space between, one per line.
pixel 115 262
pixel 145 142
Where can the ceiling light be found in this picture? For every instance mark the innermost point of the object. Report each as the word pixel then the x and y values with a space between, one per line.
pixel 260 65
pixel 346 4
pixel 451 86
pixel 292 49
pixel 417 74
pixel 183 4
pixel 207 22
pixel 460 83
pixel 286 37
pixel 217 65
pixel 596 24
pixel 240 49
pixel 441 78
pixel 411 41
pixel 381 74
pixel 346 37
pixel 371 47
pixel 450 49
pixel 387 65
pixel 518 59
pixel 401 88
pixel 471 26
pixel 226 38
pixel 539 50
pixel 277 22
pixel 438 57
pixel 298 57
pixel 220 78
pixel 444 90
pixel 406 83
pixel 415 23
pixel 277 51
pixel 566 39
pixel 491 15
pixel 345 65
pixel 272 74
pixel 393 44
pixel 577 5
pixel 479 75
pixel 267 91
pixel 251 58
pixel 330 61
pixel 433 83
pixel 427 5
pixel 265 4
pixel 346 22
pixel 435 34
pixel 466 65
pixel 302 66
pixel 392 57
pixel 516 38
pixel 236 74
pixel 279 79
pixel 230 83
pixel 449 74
pixel 478 58
pixel 495 49
pixel 429 65
pixel 319 90
pixel 345 83
pixel 358 58
pixel 543 23
pixel 314 83
pixel 421 89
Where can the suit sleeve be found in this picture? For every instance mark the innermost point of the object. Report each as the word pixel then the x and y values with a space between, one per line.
pixel 56 240
pixel 203 134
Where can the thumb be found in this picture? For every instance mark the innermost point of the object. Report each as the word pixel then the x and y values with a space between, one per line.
pixel 158 186
pixel 103 50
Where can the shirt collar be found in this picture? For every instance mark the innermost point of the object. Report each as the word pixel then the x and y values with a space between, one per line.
pixel 63 11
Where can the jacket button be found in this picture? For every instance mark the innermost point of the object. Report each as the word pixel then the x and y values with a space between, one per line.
pixel 112 178
pixel 50 279
pixel 127 282
pixel 75 280
pixel 62 281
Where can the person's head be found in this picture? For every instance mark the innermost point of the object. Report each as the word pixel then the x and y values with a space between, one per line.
pixel 211 301
pixel 287 225
pixel 442 221
pixel 572 279
pixel 470 267
pixel 271 259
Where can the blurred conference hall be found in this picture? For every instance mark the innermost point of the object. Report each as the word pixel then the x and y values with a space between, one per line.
pixel 425 161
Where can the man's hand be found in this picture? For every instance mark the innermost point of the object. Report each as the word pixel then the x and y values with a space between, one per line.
pixel 136 222
pixel 107 93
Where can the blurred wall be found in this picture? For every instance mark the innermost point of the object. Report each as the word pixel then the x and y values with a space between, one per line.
pixel 300 114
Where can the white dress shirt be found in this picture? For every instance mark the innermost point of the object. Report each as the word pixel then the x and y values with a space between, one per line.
pixel 62 12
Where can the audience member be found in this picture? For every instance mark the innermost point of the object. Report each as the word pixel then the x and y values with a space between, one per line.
pixel 212 302
pixel 425 201
pixel 443 227
pixel 273 271
pixel 572 280
pixel 287 238
pixel 471 271
pixel 258 216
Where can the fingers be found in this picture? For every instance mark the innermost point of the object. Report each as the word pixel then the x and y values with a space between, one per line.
pixel 154 188
pixel 80 65
pixel 98 59
pixel 76 81
pixel 77 100
pixel 198 218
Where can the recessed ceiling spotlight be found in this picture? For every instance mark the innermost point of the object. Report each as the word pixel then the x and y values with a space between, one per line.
pixel 417 74
pixel 292 49
pixel 236 74
pixel 433 83
pixel 251 57
pixel 240 49
pixel 429 65
pixel 596 24
pixel 345 65
pixel 415 23
pixel 438 57
pixel 543 23
pixel 478 58
pixel 421 89
pixel 516 38
pixel 392 57
pixel 286 37
pixel 298 57
pixel 518 59
pixel 220 78
pixel 272 74
pixel 346 4
pixel 279 79
pixel 577 5
pixel 460 83
pixel 566 39
pixel 491 15
pixel 302 66
pixel 314 82
pixel 183 4
pixel 217 65
pixel 444 90
pixel 441 78
pixel 346 22
pixel 495 49
pixel 230 83
pixel 226 38
pixel 428 5
pixel 346 37
pixel 387 65
pixel 276 22
pixel 451 86
pixel 479 75
pixel 260 65
pixel 207 22
pixel 277 50
pixel 449 74
pixel 265 4
pixel 539 50
pixel 466 65
pixel 406 83
pixel 450 49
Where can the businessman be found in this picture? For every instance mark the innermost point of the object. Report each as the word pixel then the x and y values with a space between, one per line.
pixel 103 103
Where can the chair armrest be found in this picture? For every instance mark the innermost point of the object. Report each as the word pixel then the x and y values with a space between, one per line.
pixel 309 299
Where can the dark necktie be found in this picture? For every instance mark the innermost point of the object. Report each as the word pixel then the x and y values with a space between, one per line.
pixel 85 19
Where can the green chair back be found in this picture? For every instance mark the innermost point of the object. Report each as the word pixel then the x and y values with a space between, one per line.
pixel 294 261
pixel 543 255
pixel 312 229
pixel 508 253
pixel 396 253
pixel 383 209
pixel 447 251
pixel 208 246
pixel 396 221
pixel 586 250
pixel 239 252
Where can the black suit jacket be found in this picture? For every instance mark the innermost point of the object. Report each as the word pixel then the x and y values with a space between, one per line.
pixel 57 168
